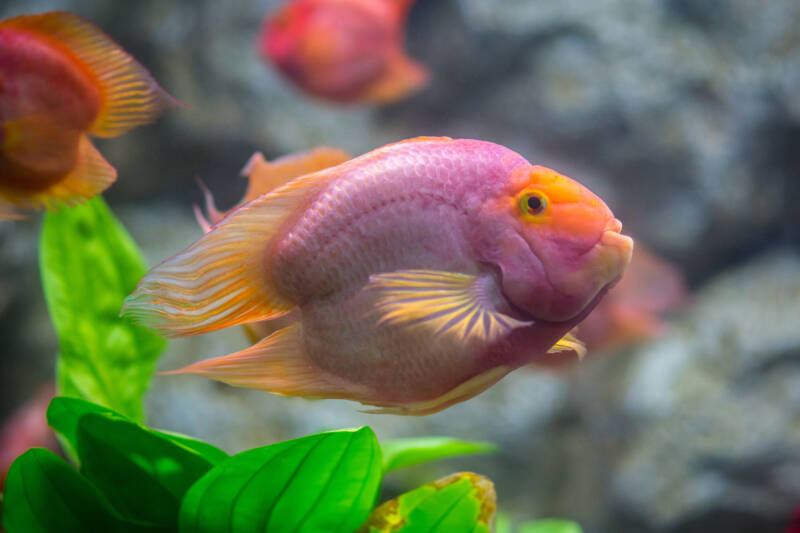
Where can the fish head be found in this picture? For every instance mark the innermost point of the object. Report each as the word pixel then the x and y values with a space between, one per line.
pixel 558 245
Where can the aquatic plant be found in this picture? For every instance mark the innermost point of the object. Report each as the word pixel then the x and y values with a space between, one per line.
pixel 134 478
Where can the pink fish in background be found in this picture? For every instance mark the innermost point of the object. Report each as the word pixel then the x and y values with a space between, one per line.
pixel 633 311
pixel 410 278
pixel 26 428
pixel 61 80
pixel 343 50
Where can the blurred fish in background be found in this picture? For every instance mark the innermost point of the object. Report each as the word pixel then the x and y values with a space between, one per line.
pixel 346 51
pixel 62 79
pixel 26 428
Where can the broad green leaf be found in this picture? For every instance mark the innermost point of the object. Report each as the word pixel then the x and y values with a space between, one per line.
pixel 44 494
pixel 549 526
pixel 64 413
pixel 459 502
pixel 325 482
pixel 89 264
pixel 209 452
pixel 144 475
pixel 401 453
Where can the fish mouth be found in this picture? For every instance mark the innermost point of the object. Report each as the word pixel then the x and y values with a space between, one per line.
pixel 613 238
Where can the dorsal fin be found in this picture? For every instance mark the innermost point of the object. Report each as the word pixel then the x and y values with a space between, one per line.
pixel 266 175
pixel 223 278
pixel 129 95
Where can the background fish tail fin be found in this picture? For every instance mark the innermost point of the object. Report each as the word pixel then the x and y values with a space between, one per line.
pixel 129 95
pixel 222 279
pixel 266 176
pixel 277 364
pixel 403 75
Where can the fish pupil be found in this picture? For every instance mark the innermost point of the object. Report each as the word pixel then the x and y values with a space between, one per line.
pixel 534 203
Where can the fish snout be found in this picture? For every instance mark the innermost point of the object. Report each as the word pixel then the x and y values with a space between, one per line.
pixel 616 249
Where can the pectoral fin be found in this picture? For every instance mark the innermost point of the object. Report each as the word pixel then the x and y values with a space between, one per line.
pixel 443 303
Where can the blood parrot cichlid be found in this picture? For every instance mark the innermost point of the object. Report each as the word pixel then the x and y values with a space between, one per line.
pixel 62 79
pixel 409 278
pixel 343 50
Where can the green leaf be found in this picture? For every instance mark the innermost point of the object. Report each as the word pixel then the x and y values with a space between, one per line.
pixel 64 413
pixel 44 494
pixel 209 452
pixel 401 453
pixel 459 502
pixel 549 526
pixel 143 474
pixel 324 482
pixel 89 264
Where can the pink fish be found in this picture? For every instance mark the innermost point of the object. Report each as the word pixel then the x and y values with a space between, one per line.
pixel 61 80
pixel 343 50
pixel 410 278
pixel 27 427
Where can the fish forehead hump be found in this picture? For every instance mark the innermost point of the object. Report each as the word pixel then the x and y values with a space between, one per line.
pixel 403 206
pixel 39 77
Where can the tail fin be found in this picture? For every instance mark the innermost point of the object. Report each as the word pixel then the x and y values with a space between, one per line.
pixel 130 96
pixel 222 279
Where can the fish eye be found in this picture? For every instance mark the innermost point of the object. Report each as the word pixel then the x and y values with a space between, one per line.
pixel 532 203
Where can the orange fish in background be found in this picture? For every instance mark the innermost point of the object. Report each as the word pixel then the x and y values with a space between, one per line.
pixel 410 278
pixel 343 50
pixel 633 310
pixel 61 80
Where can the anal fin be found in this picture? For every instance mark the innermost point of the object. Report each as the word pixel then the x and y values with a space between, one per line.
pixel 277 364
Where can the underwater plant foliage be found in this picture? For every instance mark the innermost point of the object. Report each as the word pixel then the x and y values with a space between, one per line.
pixel 89 264
pixel 131 478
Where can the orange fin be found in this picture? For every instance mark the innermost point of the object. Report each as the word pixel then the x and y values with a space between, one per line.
pixel 222 279
pixel 130 96
pixel 402 76
pixel 212 215
pixel 265 176
pixel 442 303
pixel 277 364
pixel 91 175
pixel 569 343
pixel 468 389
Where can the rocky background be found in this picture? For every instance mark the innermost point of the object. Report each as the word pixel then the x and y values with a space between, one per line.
pixel 683 114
